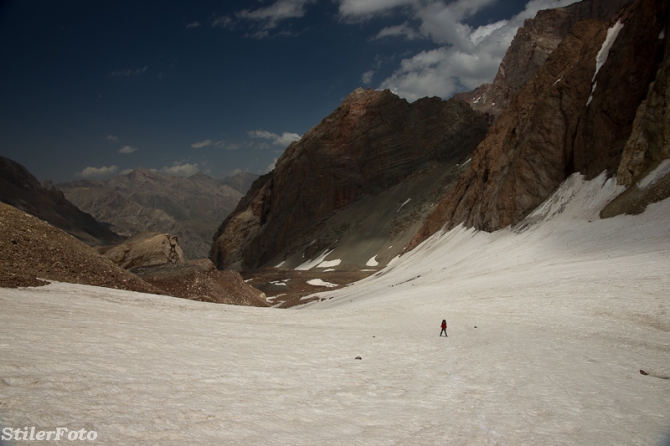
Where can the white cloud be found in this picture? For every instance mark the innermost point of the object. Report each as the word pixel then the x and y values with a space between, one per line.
pixel 200 145
pixel 112 138
pixel 216 144
pixel 467 56
pixel 128 149
pixel 352 9
pixel 97 172
pixel 367 77
pixel 129 72
pixel 223 22
pixel 283 140
pixel 125 171
pixel 266 18
pixel 403 30
pixel 193 25
pixel 271 167
pixel 181 169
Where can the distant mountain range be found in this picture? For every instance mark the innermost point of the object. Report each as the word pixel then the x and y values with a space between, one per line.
pixel 146 200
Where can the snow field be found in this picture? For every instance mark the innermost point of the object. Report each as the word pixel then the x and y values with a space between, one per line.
pixel 567 310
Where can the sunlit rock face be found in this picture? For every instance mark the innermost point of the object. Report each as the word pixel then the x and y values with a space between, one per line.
pixel 569 117
pixel 531 47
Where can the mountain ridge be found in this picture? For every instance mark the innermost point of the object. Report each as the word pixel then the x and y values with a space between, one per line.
pixel 148 200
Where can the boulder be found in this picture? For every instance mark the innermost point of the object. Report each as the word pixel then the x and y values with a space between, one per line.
pixel 146 249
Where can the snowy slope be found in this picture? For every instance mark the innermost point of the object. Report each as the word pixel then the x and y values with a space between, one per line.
pixel 548 329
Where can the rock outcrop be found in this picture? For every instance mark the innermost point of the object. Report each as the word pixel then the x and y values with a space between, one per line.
pixel 146 200
pixel 375 147
pixel 146 249
pixel 531 47
pixel 19 188
pixel 574 115
pixel 199 280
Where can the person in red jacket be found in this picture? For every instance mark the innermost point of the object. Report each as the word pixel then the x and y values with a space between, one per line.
pixel 444 327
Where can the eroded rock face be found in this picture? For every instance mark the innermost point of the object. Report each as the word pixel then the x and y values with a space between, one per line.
pixel 562 121
pixel 369 144
pixel 146 249
pixel 650 138
pixel 531 47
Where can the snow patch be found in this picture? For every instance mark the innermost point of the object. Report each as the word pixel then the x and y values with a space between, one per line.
pixel 601 58
pixel 372 261
pixel 313 263
pixel 319 282
pixel 661 171
pixel 329 263
pixel 548 330
pixel 402 205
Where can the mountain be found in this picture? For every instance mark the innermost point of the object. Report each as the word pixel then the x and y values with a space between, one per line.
pixel 19 188
pixel 532 45
pixel 146 200
pixel 576 114
pixel 240 182
pixel 352 190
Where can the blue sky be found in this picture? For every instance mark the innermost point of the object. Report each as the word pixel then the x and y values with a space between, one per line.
pixel 92 89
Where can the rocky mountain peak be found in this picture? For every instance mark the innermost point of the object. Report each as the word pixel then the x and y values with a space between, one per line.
pixel 532 45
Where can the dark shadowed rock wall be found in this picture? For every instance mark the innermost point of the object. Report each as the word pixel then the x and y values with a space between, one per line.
pixel 369 144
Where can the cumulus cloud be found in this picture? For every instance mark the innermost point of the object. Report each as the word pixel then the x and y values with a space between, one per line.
pixel 97 172
pixel 193 25
pixel 271 167
pixel 283 140
pixel 129 72
pixel 112 138
pixel 466 57
pixel 179 169
pixel 128 149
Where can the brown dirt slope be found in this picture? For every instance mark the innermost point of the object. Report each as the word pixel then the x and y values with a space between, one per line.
pixel 32 252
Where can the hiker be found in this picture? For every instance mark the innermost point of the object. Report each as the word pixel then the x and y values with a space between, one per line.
pixel 444 327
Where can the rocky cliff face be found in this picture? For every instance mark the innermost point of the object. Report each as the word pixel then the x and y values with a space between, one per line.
pixel 145 200
pixel 19 188
pixel 531 47
pixel 574 115
pixel 369 146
